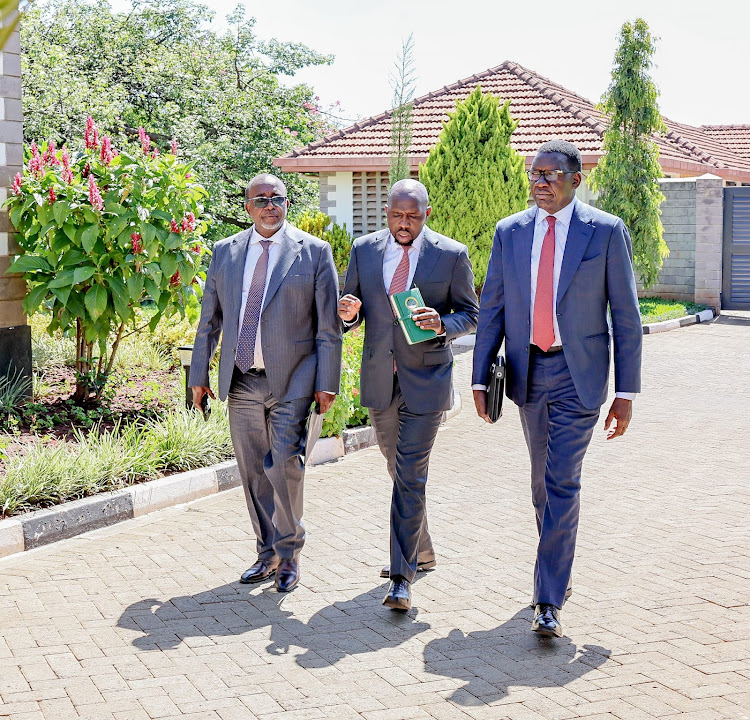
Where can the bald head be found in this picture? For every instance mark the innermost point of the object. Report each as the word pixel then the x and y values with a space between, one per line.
pixel 264 179
pixel 409 189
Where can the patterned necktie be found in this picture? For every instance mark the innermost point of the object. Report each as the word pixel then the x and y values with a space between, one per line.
pixel 246 343
pixel 544 330
pixel 398 283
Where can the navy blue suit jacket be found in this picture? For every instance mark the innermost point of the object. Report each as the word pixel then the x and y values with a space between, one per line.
pixel 596 274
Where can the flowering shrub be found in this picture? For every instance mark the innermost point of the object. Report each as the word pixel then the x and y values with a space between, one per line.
pixel 346 410
pixel 104 232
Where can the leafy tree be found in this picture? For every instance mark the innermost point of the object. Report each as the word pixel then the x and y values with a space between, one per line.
pixel 103 234
pixel 626 177
pixel 474 177
pixel 402 123
pixel 337 236
pixel 161 66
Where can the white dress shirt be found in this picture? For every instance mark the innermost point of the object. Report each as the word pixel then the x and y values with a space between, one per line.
pixel 392 257
pixel 563 218
pixel 254 251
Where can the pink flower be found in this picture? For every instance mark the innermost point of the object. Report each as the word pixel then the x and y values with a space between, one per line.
pixel 294 133
pixel 355 392
pixel 175 228
pixel 145 141
pixel 188 222
pixel 86 170
pixel 173 146
pixel 91 136
pixel 52 196
pixel 35 162
pixel 95 197
pixel 49 157
pixel 155 152
pixel 136 243
pixel 188 176
pixel 17 180
pixel 106 153
pixel 67 173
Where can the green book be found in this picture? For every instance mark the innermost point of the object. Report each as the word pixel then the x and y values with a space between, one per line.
pixel 404 304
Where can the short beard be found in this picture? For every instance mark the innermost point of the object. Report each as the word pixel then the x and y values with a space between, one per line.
pixel 274 227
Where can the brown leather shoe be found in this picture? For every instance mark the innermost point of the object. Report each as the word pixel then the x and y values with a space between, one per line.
pixel 262 570
pixel 398 596
pixel 547 621
pixel 421 567
pixel 287 575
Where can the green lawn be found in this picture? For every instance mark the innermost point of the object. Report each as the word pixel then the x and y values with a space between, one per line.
pixel 656 309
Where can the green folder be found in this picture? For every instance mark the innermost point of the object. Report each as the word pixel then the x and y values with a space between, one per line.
pixel 404 304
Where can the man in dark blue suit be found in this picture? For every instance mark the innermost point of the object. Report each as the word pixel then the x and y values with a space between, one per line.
pixel 555 271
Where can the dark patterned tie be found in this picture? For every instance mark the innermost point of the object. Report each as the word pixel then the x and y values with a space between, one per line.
pixel 246 343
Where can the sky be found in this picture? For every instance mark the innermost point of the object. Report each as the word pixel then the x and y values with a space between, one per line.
pixel 702 63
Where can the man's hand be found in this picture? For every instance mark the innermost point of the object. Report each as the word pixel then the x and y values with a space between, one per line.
pixel 348 307
pixel 428 318
pixel 198 392
pixel 324 400
pixel 621 411
pixel 480 402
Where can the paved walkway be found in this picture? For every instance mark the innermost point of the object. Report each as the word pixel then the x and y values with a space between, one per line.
pixel 146 619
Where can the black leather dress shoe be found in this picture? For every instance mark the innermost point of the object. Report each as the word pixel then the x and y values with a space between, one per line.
pixel 262 570
pixel 398 596
pixel 421 567
pixel 547 621
pixel 287 575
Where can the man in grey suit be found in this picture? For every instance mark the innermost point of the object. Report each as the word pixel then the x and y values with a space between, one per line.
pixel 555 271
pixel 272 291
pixel 406 388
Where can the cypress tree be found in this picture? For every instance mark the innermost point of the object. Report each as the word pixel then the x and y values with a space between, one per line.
pixel 474 177
pixel 626 176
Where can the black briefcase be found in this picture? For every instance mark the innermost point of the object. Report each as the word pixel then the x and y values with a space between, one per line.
pixel 496 389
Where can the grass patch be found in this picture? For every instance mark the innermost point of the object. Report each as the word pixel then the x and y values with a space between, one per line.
pixel 655 309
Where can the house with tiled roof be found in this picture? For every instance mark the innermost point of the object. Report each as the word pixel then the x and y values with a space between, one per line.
pixel 352 164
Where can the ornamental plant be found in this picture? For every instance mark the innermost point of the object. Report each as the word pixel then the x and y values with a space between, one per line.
pixel 105 232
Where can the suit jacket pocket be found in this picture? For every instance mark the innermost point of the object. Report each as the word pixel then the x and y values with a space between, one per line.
pixel 302 278
pixel 437 357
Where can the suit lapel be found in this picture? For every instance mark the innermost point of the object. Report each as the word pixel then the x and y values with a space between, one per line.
pixel 579 234
pixel 523 239
pixel 375 261
pixel 289 250
pixel 428 256
pixel 235 273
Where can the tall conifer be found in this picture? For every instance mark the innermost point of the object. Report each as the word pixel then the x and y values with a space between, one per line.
pixel 474 177
pixel 626 178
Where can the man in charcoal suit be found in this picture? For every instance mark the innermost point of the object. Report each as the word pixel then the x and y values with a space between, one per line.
pixel 406 388
pixel 555 272
pixel 272 290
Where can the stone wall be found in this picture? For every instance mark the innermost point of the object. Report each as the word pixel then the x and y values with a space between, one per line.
pixel 15 336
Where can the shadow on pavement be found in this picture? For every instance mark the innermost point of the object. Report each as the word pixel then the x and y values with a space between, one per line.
pixel 492 661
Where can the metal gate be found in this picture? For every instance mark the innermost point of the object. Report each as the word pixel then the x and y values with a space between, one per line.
pixel 735 293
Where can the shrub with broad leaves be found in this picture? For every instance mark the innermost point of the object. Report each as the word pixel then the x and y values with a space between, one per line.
pixel 105 233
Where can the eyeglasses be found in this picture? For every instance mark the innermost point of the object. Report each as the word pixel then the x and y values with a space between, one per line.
pixel 549 175
pixel 260 202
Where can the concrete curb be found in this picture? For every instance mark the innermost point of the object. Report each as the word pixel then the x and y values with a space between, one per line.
pixel 703 316
pixel 67 520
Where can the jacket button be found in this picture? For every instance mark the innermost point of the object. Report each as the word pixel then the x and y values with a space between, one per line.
pixel 395 322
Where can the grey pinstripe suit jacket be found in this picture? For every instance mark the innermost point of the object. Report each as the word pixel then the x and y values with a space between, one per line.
pixel 300 329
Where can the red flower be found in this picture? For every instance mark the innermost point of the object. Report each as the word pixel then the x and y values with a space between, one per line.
pixel 173 146
pixel 196 248
pixel 175 228
pixel 67 174
pixel 145 141
pixel 52 196
pixel 175 279
pixel 355 392
pixel 95 197
pixel 17 180
pixel 136 242
pixel 106 153
pixel 35 162
pixel 49 157
pixel 91 136
pixel 188 222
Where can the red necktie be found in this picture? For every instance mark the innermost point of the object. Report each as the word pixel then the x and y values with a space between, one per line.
pixel 544 330
pixel 398 283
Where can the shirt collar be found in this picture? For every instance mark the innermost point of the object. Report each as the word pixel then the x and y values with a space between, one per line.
pixel 562 216
pixel 417 243
pixel 256 237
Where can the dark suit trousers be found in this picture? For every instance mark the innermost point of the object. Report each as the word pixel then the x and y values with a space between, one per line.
pixel 558 430
pixel 406 439
pixel 267 436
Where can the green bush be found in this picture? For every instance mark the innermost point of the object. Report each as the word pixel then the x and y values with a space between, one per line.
pixel 338 237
